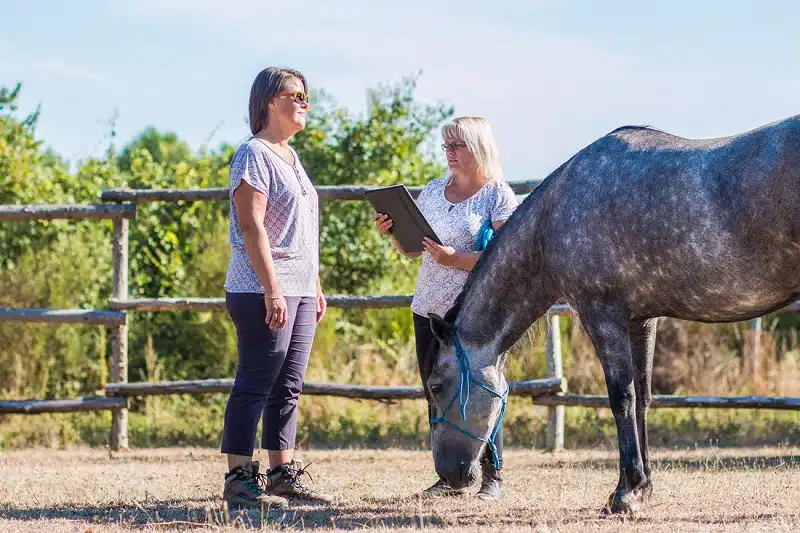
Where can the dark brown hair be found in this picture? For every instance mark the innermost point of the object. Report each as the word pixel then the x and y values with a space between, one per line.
pixel 266 86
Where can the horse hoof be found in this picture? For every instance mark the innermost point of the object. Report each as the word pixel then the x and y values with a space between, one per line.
pixel 646 491
pixel 607 506
pixel 625 505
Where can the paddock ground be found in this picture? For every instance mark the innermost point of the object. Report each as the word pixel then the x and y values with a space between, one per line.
pixel 178 489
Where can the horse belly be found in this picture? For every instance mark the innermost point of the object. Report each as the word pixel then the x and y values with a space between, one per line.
pixel 714 303
pixel 693 276
pixel 716 288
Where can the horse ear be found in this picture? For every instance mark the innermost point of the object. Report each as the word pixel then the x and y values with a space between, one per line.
pixel 440 328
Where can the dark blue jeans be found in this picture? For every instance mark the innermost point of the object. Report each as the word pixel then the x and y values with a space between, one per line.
pixel 270 374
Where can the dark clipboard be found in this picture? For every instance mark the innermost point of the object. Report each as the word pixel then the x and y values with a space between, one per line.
pixel 409 225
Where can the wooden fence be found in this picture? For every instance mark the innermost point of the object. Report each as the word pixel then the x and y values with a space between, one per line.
pixel 550 391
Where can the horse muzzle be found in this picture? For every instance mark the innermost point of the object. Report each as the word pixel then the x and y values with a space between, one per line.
pixel 463 475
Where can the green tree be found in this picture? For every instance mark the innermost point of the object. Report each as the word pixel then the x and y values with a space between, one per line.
pixel 385 147
pixel 60 264
pixel 164 148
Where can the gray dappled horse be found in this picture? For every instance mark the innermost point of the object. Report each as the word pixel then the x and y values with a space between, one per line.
pixel 640 224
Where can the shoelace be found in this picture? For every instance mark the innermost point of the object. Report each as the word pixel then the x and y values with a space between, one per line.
pixel 251 482
pixel 296 473
pixel 253 486
pixel 262 480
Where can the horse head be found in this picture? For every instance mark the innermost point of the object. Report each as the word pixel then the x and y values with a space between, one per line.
pixel 468 399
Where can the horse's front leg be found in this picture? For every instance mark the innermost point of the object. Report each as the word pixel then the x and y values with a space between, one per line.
pixel 608 329
pixel 643 342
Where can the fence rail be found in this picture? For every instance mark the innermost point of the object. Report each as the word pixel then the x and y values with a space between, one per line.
pixel 63 316
pixel 670 401
pixel 218 304
pixel 532 387
pixel 35 407
pixel 67 212
pixel 325 192
pixel 549 392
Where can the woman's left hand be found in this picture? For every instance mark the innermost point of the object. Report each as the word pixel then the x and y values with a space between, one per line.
pixel 444 255
pixel 322 305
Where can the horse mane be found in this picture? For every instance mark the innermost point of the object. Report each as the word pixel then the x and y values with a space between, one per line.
pixel 635 127
pixel 532 202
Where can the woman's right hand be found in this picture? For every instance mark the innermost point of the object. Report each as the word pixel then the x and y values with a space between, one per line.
pixel 383 223
pixel 277 311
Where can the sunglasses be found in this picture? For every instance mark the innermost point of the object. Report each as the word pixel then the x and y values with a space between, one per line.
pixel 453 146
pixel 298 97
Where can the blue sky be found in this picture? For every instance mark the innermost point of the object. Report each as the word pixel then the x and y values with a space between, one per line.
pixel 551 76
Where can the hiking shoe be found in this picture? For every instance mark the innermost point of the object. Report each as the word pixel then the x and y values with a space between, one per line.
pixel 284 480
pixel 441 489
pixel 242 488
pixel 491 483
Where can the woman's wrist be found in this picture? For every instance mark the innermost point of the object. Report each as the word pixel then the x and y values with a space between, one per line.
pixel 463 260
pixel 272 291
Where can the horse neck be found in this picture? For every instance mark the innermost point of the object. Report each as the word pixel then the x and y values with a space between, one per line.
pixel 504 295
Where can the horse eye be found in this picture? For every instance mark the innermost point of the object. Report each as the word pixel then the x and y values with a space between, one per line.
pixel 436 389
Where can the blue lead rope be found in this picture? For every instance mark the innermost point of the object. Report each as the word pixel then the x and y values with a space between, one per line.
pixel 485 235
pixel 463 398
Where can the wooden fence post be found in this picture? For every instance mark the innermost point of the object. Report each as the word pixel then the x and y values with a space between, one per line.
pixel 755 330
pixel 119 336
pixel 555 369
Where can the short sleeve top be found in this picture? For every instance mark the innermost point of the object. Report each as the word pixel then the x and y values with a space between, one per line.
pixel 457 225
pixel 291 221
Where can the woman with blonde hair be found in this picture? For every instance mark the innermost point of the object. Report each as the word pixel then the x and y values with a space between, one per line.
pixel 465 206
pixel 272 293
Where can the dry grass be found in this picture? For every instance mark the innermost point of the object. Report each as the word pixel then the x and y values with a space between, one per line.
pixel 177 490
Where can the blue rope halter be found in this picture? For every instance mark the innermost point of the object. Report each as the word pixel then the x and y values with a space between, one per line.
pixel 463 397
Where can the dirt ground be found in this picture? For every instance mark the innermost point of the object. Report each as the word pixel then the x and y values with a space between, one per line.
pixel 93 491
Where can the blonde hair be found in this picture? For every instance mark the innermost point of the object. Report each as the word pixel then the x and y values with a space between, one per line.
pixel 476 133
pixel 266 86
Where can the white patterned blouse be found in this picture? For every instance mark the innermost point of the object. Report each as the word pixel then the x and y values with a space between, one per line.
pixel 457 225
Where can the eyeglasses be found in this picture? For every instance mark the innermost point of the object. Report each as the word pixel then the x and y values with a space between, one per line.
pixel 298 97
pixel 453 146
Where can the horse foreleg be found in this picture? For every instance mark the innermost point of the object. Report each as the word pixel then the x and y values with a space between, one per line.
pixel 643 343
pixel 609 331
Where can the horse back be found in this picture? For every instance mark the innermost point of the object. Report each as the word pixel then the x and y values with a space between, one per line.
pixel 677 226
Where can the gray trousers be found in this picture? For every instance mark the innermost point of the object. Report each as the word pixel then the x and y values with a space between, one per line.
pixel 270 374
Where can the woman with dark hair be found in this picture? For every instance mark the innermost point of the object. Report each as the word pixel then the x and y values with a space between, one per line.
pixel 273 293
